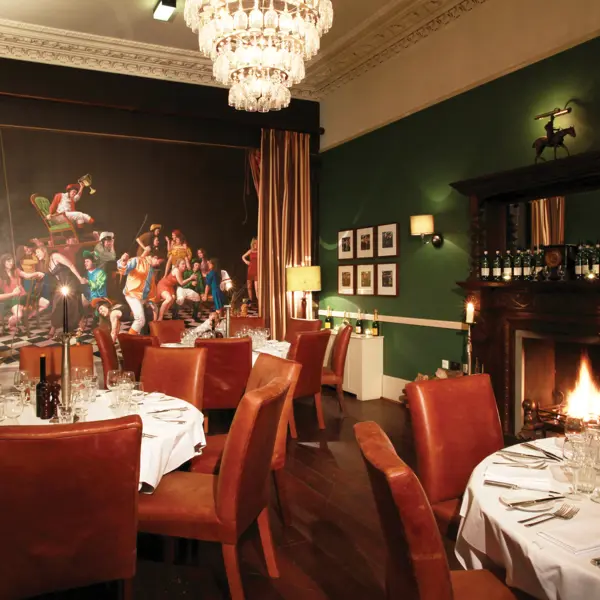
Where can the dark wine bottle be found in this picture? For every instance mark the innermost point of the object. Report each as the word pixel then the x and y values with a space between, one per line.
pixel 42 393
pixel 375 327
pixel 329 319
pixel 359 324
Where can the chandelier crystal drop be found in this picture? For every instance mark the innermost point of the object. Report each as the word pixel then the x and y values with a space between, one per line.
pixel 259 47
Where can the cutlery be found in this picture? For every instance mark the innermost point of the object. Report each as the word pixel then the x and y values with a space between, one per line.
pixel 164 410
pixel 148 435
pixel 533 502
pixel 596 561
pixel 565 512
pixel 513 486
pixel 170 421
pixel 546 453
pixel 536 466
pixel 519 454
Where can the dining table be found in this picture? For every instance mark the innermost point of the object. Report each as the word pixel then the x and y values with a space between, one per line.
pixel 554 560
pixel 172 431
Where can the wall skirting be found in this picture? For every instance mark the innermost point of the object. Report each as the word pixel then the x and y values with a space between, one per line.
pixel 393 387
pixel 455 325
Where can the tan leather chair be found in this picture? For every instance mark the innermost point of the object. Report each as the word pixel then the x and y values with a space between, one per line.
pixel 237 323
pixel 82 355
pixel 295 326
pixel 334 375
pixel 70 511
pixel 228 367
pixel 417 565
pixel 167 332
pixel 108 351
pixel 266 368
pixel 456 425
pixel 178 372
pixel 221 508
pixel 133 348
pixel 309 350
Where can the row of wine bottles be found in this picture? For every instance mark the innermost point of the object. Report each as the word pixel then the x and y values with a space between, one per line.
pixel 360 325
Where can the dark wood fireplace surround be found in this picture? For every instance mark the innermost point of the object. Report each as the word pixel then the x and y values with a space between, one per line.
pixel 553 308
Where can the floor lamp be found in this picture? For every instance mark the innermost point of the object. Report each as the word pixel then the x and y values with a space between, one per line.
pixel 305 280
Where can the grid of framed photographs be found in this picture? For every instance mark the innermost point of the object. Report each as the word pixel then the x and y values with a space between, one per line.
pixel 379 241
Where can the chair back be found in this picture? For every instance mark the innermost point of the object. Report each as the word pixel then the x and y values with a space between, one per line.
pixel 108 351
pixel 309 350
pixel 70 511
pixel 167 332
pixel 228 367
pixel 456 425
pixel 133 348
pixel 417 568
pixel 82 355
pixel 266 368
pixel 238 323
pixel 295 326
pixel 340 350
pixel 242 485
pixel 177 372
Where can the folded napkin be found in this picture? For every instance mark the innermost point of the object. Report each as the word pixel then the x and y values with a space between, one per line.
pixel 528 478
pixel 576 536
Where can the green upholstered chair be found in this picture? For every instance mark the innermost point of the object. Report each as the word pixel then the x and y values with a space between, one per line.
pixel 59 228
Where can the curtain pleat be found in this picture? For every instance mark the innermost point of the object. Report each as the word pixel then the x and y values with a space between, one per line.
pixel 284 220
pixel 548 221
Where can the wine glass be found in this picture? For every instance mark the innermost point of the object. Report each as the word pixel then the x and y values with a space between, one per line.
pixel 574 426
pixel 574 458
pixel 21 381
pixel 13 405
pixel 112 383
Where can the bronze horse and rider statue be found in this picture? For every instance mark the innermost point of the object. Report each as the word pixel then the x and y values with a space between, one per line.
pixel 554 138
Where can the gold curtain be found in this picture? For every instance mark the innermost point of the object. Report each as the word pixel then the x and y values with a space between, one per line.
pixel 548 221
pixel 284 220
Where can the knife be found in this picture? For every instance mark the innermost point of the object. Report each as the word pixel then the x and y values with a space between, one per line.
pixel 545 452
pixel 520 454
pixel 532 502
pixel 513 486
pixel 154 412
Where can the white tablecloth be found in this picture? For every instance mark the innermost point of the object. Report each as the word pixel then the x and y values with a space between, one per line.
pixel 273 347
pixel 489 534
pixel 173 445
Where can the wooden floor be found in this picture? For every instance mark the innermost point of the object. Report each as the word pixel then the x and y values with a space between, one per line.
pixel 334 547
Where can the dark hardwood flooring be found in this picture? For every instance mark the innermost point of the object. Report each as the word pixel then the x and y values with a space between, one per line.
pixel 333 547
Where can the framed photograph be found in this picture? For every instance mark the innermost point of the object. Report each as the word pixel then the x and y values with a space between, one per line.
pixel 387 279
pixel 387 240
pixel 365 280
pixel 346 244
pixel 346 283
pixel 365 242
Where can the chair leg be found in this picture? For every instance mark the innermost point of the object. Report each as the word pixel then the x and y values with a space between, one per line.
pixel 169 550
pixel 205 422
pixel 340 397
pixel 292 423
pixel 264 529
pixel 280 495
pixel 319 407
pixel 232 568
pixel 126 589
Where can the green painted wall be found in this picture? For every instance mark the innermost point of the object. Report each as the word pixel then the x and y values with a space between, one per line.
pixel 405 168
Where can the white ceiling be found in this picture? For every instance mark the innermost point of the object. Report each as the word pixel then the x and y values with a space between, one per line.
pixel 122 36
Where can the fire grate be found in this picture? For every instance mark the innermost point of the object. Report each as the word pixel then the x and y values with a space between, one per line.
pixel 552 417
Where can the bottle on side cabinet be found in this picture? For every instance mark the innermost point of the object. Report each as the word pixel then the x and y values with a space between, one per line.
pixel 484 272
pixel 518 266
pixel 579 263
pixel 346 320
pixel 375 326
pixel 44 408
pixel 527 270
pixel 507 264
pixel 358 328
pixel 539 263
pixel 596 261
pixel 497 267
pixel 328 319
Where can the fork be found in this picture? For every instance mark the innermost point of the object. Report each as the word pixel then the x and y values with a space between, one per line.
pixel 537 466
pixel 565 512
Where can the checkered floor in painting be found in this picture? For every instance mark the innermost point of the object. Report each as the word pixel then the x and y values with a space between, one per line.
pixel 39 335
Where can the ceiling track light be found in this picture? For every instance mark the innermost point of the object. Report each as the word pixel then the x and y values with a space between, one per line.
pixel 164 10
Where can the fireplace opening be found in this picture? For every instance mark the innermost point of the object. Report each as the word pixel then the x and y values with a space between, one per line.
pixel 548 369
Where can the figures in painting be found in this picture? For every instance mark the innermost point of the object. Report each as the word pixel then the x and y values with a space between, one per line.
pixel 251 259
pixel 64 203
pixel 178 249
pixel 167 286
pixel 213 286
pixel 192 290
pixel 204 268
pixel 153 239
pixel 105 250
pixel 110 315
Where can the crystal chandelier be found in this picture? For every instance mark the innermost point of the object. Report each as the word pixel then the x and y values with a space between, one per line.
pixel 258 47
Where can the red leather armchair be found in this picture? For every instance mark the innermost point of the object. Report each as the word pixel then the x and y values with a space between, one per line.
pixel 133 348
pixel 167 332
pixel 334 375
pixel 456 425
pixel 221 508
pixel 70 510
pixel 178 372
pixel 82 355
pixel 108 351
pixel 228 365
pixel 417 564
pixel 295 326
pixel 309 350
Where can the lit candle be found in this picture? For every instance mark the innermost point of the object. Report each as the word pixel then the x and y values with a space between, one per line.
pixel 470 313
pixel 65 292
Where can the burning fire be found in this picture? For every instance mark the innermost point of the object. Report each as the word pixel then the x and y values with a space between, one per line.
pixel 584 401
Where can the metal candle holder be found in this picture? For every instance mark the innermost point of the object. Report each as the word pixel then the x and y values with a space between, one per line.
pixel 469 350
pixel 227 319
pixel 65 380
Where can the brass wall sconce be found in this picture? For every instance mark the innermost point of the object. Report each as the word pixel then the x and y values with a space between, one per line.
pixel 423 225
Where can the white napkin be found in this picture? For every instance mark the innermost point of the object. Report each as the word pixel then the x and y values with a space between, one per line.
pixel 528 478
pixel 576 536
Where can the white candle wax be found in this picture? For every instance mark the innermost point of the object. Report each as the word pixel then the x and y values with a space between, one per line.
pixel 470 313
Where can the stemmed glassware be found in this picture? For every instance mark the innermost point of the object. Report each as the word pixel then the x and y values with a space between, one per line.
pixel 13 405
pixel 21 383
pixel 112 383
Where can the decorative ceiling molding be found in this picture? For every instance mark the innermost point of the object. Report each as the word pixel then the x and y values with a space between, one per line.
pixel 386 33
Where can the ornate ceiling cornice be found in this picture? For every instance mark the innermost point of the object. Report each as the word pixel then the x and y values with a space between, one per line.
pixel 388 32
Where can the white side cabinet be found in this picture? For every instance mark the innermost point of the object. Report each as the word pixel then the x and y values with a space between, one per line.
pixel 363 372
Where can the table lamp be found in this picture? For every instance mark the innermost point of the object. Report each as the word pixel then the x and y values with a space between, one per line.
pixel 305 280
